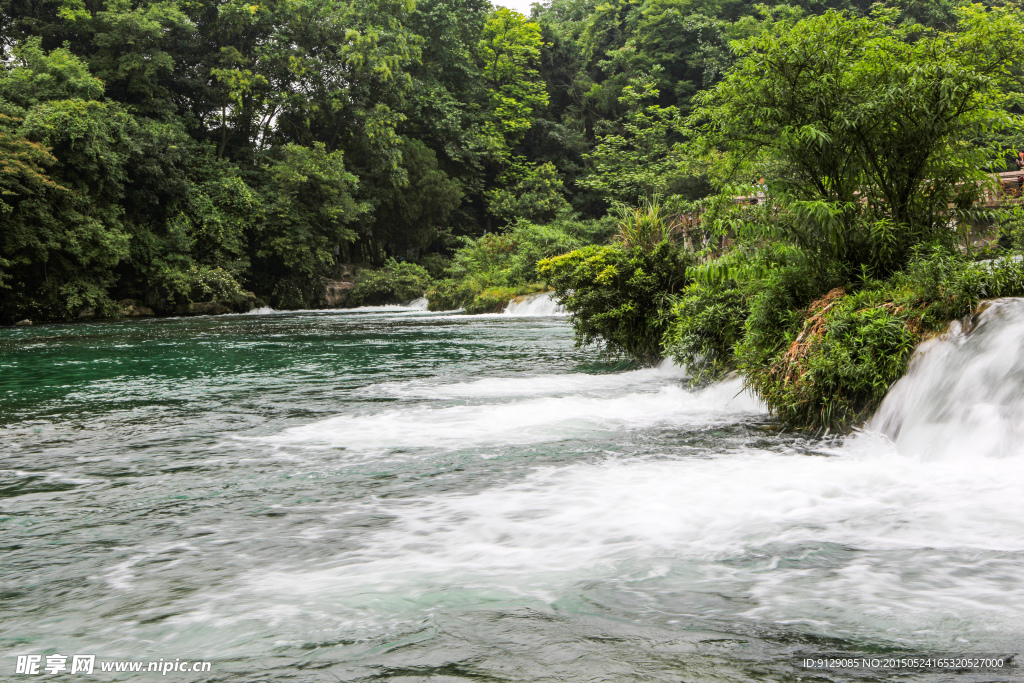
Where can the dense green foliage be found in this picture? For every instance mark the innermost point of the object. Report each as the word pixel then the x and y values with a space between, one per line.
pixel 830 362
pixel 619 295
pixel 489 271
pixel 707 322
pixel 395 283
pixel 871 140
pixel 142 142
pixel 871 128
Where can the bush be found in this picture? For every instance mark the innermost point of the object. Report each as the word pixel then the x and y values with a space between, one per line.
pixel 618 297
pixel 395 283
pixel 838 368
pixel 492 300
pixel 496 264
pixel 829 364
pixel 176 287
pixel 448 295
pixel 943 285
pixel 645 226
pixel 436 264
pixel 707 322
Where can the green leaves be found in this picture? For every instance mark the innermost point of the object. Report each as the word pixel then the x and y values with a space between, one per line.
pixel 36 76
pixel 619 298
pixel 868 121
pixel 308 213
pixel 509 51
pixel 538 195
pixel 395 283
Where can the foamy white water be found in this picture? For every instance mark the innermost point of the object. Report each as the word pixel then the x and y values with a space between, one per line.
pixel 389 495
pixel 416 305
pixel 542 304
pixel 583 384
pixel 419 304
pixel 855 542
pixel 853 546
pixel 963 395
pixel 530 420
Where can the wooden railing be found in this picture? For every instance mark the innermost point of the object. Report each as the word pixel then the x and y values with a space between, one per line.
pixel 1010 190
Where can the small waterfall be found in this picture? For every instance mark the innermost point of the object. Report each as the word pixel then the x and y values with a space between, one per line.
pixel 534 305
pixel 418 304
pixel 963 395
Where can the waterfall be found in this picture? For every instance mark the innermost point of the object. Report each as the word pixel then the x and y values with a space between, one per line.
pixel 419 304
pixel 963 395
pixel 534 305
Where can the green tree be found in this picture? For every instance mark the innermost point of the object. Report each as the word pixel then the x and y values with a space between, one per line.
pixel 27 195
pixel 35 76
pixel 134 53
pixel 538 195
pixel 410 215
pixel 309 208
pixel 870 125
pixel 510 51
pixel 643 158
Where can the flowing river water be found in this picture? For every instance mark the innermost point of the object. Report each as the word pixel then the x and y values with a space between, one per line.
pixel 395 495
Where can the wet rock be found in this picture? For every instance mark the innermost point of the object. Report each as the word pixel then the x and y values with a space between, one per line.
pixel 247 303
pixel 23 323
pixel 239 304
pixel 206 308
pixel 86 313
pixel 336 293
pixel 130 308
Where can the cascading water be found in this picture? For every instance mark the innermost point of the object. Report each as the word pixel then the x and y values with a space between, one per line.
pixel 534 305
pixel 393 494
pixel 419 304
pixel 963 395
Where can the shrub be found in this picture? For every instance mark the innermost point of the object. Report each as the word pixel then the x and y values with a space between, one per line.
pixel 195 283
pixel 942 285
pixel 436 264
pixel 395 283
pixel 618 297
pixel 498 263
pixel 839 367
pixel 829 364
pixel 448 295
pixel 707 322
pixel 646 226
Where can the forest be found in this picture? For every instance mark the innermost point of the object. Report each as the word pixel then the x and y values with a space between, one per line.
pixel 786 190
pixel 174 151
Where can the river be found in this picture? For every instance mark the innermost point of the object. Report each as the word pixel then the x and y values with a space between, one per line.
pixel 395 495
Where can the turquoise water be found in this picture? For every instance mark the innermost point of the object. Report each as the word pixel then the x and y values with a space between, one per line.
pixel 395 495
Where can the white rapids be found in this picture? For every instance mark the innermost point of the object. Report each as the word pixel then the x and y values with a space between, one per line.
pixel 915 541
pixel 963 396
pixel 472 493
pixel 542 304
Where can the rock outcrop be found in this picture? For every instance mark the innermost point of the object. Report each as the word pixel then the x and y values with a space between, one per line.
pixel 242 304
pixel 336 292
pixel 130 308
